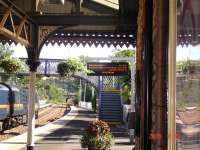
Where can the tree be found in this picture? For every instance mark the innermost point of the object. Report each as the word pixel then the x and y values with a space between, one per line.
pixel 125 80
pixel 124 53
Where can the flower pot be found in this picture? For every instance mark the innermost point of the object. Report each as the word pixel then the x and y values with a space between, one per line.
pixel 92 148
pixel 83 145
pixel 97 136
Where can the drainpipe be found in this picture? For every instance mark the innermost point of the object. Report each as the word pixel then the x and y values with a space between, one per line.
pixel 131 122
pixel 80 91
pixel 85 92
pixel 99 94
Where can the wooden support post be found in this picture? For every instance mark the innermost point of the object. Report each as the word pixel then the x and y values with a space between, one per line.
pixel 5 17
pixel 172 75
pixel 11 33
pixel 21 25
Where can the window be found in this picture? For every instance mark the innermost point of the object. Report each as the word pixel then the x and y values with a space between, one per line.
pixel 184 75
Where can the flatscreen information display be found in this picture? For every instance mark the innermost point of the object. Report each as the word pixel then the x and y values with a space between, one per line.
pixel 107 69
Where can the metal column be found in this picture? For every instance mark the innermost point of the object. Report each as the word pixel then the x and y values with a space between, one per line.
pixel 31 111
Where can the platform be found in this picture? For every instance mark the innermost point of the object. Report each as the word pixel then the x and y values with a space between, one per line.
pixel 65 134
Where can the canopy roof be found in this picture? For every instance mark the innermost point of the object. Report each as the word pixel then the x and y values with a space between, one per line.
pixel 98 22
pixel 114 18
pixel 188 22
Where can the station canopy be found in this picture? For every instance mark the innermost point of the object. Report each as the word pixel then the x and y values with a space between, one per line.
pixel 92 22
pixel 188 22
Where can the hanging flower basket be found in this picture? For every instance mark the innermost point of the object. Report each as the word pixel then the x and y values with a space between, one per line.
pixel 69 67
pixel 97 136
pixel 10 65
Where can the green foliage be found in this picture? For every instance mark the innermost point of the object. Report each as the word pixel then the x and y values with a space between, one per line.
pixel 69 67
pixel 50 91
pixel 187 93
pixel 89 97
pixel 97 136
pixel 182 66
pixel 126 94
pixel 188 66
pixel 94 101
pixel 125 80
pixel 5 52
pixel 55 94
pixel 7 63
pixel 40 86
pixel 124 53
pixel 10 65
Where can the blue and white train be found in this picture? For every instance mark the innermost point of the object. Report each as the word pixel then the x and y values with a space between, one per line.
pixel 13 106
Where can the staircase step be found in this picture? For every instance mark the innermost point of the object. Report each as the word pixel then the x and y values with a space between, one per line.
pixel 110 103
pixel 117 94
pixel 108 117
pixel 112 121
pixel 110 94
pixel 110 97
pixel 110 114
pixel 111 109
pixel 117 112
pixel 110 106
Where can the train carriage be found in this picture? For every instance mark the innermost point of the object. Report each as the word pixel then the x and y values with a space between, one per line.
pixel 13 106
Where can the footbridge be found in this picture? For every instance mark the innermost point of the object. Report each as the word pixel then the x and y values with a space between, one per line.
pixel 108 87
pixel 48 67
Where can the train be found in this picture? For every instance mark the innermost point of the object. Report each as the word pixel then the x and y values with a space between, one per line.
pixel 13 106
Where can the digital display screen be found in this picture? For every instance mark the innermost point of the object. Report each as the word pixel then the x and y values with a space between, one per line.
pixel 107 69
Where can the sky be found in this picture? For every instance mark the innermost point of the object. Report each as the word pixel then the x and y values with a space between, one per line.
pixel 188 52
pixel 62 52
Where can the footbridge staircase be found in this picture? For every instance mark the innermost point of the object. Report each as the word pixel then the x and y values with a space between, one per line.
pixel 110 102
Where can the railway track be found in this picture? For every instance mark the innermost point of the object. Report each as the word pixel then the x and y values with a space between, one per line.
pixel 46 115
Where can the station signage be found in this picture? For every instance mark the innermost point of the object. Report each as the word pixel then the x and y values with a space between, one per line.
pixel 107 69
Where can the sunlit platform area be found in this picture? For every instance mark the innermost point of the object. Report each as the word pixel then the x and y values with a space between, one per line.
pixel 65 133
